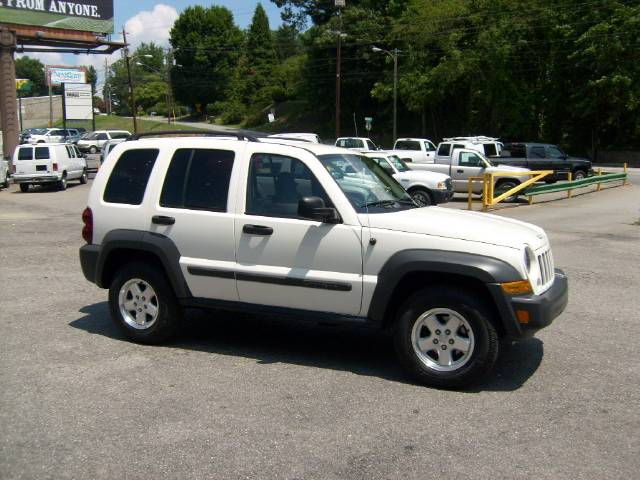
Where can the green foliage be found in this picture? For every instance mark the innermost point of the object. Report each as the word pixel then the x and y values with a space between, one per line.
pixel 92 76
pixel 33 70
pixel 207 45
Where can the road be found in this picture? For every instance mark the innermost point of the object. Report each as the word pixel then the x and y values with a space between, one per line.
pixel 239 397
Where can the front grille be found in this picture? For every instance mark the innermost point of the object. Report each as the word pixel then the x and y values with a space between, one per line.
pixel 545 262
pixel 448 184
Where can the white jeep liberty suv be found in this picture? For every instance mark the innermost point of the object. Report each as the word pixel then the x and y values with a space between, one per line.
pixel 245 225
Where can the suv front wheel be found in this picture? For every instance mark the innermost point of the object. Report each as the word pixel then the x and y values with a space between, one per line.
pixel 444 337
pixel 142 304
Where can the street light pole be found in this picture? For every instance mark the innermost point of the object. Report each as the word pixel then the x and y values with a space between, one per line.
pixel 131 94
pixel 393 55
pixel 338 82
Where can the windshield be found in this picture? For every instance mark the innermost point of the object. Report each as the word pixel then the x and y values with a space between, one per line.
pixel 398 163
pixel 90 136
pixel 367 186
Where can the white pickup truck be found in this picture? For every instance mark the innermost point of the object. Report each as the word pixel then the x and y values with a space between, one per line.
pixel 414 149
pixel 464 163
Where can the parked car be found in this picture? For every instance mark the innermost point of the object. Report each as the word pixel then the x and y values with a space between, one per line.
pixel 464 163
pixel 414 149
pixel 108 146
pixel 305 137
pixel 27 132
pixel 357 143
pixel 545 156
pixel 426 188
pixel 4 174
pixel 54 135
pixel 93 142
pixel 265 227
pixel 48 164
pixel 488 146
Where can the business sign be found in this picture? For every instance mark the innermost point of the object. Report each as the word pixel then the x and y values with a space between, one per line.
pixel 85 15
pixel 59 75
pixel 78 101
pixel 23 85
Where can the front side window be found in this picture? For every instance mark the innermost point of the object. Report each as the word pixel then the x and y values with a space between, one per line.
pixel 102 136
pixel 42 153
pixel 25 153
pixel 555 152
pixel 407 145
pixel 429 147
pixel 384 164
pixel 367 186
pixel 470 159
pixel 371 145
pixel 398 163
pixel 276 184
pixel 128 180
pixel 537 152
pixel 198 179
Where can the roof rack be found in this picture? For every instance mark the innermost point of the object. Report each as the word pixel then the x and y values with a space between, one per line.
pixel 478 138
pixel 240 135
pixel 294 139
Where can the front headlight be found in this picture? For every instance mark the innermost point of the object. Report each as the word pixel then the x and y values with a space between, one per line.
pixel 528 258
pixel 441 185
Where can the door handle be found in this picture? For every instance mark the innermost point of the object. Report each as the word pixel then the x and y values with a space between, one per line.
pixel 257 230
pixel 460 171
pixel 162 220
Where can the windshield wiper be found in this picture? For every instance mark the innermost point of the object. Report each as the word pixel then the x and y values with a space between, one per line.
pixel 387 203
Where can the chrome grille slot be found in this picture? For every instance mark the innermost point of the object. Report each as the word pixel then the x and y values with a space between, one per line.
pixel 545 263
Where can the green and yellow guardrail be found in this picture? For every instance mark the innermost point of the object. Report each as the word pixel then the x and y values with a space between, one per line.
pixel 529 189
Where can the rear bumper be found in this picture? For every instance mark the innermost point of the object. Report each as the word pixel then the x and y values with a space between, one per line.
pixel 89 255
pixel 86 148
pixel 540 310
pixel 35 178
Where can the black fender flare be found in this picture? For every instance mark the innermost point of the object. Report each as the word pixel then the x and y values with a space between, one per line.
pixel 137 240
pixel 489 271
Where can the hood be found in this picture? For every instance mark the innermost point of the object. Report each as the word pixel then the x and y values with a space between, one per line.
pixel 509 168
pixel 422 175
pixel 462 225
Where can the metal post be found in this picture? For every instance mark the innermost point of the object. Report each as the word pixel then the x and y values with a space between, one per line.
pixel 395 93
pixel 338 62
pixel 626 178
pixel 570 191
pixel 131 93
pixel 20 113
pixel 169 88
pixel 50 99
pixel 93 106
pixel 8 97
pixel 599 184
pixel 64 109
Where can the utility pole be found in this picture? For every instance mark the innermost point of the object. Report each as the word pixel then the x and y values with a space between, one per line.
pixel 107 90
pixel 50 98
pixel 339 5
pixel 395 94
pixel 131 94
pixel 169 61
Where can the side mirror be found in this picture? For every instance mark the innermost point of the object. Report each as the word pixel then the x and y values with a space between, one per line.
pixel 315 209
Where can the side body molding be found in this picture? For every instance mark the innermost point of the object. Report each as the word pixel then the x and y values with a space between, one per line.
pixel 138 240
pixel 485 269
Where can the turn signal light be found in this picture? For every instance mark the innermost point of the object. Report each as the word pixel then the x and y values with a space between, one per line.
pixel 523 316
pixel 87 230
pixel 520 287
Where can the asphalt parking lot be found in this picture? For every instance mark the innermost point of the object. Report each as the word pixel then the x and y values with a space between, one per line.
pixel 241 397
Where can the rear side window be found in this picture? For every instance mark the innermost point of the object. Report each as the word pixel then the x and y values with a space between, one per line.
pixel 490 150
pixel 407 145
pixel 198 179
pixel 444 149
pixel 119 135
pixel 102 136
pixel 25 153
pixel 129 177
pixel 537 152
pixel 42 153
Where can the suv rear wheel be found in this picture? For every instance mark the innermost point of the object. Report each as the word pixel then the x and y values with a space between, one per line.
pixel 142 304
pixel 444 337
pixel 84 177
pixel 62 184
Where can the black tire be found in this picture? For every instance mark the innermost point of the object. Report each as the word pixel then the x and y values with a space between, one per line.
pixel 503 186
pixel 62 184
pixel 483 337
pixel 421 196
pixel 24 187
pixel 169 311
pixel 93 149
pixel 579 175
pixel 84 178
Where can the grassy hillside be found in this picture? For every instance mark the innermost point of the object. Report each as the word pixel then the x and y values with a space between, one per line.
pixel 113 122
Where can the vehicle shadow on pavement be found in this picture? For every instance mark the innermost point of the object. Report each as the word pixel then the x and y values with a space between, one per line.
pixel 269 340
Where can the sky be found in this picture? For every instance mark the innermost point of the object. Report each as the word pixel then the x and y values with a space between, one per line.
pixel 150 21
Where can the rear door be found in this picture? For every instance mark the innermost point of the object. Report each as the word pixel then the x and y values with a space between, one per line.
pixel 194 209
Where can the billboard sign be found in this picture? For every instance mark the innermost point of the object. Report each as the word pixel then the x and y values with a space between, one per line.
pixel 78 101
pixel 59 75
pixel 85 15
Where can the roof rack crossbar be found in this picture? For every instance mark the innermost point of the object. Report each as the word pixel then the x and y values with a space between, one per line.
pixel 240 135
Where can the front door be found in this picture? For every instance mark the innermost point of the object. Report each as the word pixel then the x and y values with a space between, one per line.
pixel 470 164
pixel 285 260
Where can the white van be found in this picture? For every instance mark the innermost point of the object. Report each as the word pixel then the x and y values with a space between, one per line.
pixel 48 164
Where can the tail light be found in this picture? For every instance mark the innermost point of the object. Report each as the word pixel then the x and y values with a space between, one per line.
pixel 13 169
pixel 55 167
pixel 87 230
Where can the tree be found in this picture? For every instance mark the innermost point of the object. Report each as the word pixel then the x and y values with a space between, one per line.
pixel 92 76
pixel 207 47
pixel 32 69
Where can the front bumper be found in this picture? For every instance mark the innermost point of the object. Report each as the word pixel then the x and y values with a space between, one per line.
pixel 35 178
pixel 540 310
pixel 441 196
